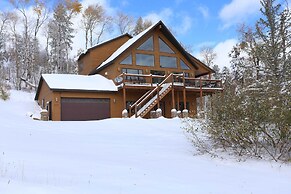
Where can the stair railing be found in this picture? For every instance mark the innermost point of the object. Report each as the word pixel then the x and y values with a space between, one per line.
pixel 144 98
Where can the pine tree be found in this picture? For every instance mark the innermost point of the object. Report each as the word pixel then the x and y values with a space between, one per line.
pixel 252 116
pixel 141 25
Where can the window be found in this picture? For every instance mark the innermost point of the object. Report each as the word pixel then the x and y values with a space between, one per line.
pixel 157 79
pixel 133 71
pixel 144 60
pixel 164 47
pixel 183 65
pixel 127 60
pixel 168 62
pixel 148 45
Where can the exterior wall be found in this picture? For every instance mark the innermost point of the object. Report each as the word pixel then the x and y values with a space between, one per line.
pixel 45 95
pixel 96 56
pixel 116 102
pixel 114 70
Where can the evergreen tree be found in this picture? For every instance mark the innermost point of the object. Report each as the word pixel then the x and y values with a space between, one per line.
pixel 252 116
pixel 141 25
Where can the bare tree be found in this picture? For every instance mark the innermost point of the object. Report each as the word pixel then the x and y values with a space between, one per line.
pixel 93 17
pixel 90 18
pixel 124 22
pixel 208 55
pixel 61 35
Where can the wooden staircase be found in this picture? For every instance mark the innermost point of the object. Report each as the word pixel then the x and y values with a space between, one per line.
pixel 148 101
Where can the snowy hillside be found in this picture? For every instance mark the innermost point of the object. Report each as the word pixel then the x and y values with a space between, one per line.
pixel 118 156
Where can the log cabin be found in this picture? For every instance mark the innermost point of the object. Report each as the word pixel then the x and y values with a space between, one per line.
pixel 148 75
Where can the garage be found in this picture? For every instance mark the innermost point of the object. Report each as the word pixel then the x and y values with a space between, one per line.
pixel 83 109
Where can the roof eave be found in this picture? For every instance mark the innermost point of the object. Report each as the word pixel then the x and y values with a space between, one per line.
pixel 80 90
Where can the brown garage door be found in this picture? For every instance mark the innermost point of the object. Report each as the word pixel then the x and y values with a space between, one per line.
pixel 82 109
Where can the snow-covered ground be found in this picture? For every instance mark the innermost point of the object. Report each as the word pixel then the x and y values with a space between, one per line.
pixel 118 156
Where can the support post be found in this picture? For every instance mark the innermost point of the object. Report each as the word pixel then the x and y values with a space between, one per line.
pixel 173 111
pixel 173 98
pixel 178 100
pixel 185 111
pixel 124 98
pixel 184 92
pixel 201 98
pixel 158 96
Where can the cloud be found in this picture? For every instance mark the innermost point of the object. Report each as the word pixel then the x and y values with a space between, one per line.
pixel 222 49
pixel 185 25
pixel 170 18
pixel 237 11
pixel 164 15
pixel 204 11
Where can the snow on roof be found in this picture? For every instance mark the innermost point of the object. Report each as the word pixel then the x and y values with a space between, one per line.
pixel 125 46
pixel 79 82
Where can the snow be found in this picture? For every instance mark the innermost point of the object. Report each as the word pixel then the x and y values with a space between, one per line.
pixel 79 82
pixel 113 156
pixel 125 46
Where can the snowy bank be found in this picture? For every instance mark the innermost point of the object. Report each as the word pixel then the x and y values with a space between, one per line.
pixel 117 156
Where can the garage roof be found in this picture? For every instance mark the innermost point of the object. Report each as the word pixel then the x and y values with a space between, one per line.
pixel 79 82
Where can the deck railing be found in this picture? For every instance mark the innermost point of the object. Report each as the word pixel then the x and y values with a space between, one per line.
pixel 177 80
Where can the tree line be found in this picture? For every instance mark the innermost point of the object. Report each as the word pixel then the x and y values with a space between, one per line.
pixel 24 56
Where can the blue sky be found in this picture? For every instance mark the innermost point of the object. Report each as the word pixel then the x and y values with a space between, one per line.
pixel 195 23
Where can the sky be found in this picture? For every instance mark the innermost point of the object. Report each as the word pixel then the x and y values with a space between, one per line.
pixel 195 23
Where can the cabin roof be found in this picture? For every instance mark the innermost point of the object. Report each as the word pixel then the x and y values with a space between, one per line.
pixel 134 39
pixel 71 82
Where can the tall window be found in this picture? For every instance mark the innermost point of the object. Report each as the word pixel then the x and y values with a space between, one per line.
pixel 164 47
pixel 127 60
pixel 168 62
pixel 148 45
pixel 183 65
pixel 145 60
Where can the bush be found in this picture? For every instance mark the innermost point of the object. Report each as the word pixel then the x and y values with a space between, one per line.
pixel 4 93
pixel 251 123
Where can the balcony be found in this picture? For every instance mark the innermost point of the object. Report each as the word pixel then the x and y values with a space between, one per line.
pixel 149 81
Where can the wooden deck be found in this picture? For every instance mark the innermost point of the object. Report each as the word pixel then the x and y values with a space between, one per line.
pixel 143 81
pixel 156 87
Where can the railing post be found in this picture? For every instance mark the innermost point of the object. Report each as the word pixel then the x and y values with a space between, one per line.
pixel 129 114
pixel 135 110
pixel 151 80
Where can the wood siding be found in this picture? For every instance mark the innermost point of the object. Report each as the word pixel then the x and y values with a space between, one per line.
pixel 96 56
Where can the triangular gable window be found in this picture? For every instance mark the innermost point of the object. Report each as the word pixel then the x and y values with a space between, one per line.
pixel 148 45
pixel 164 47
pixel 183 65
pixel 127 60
